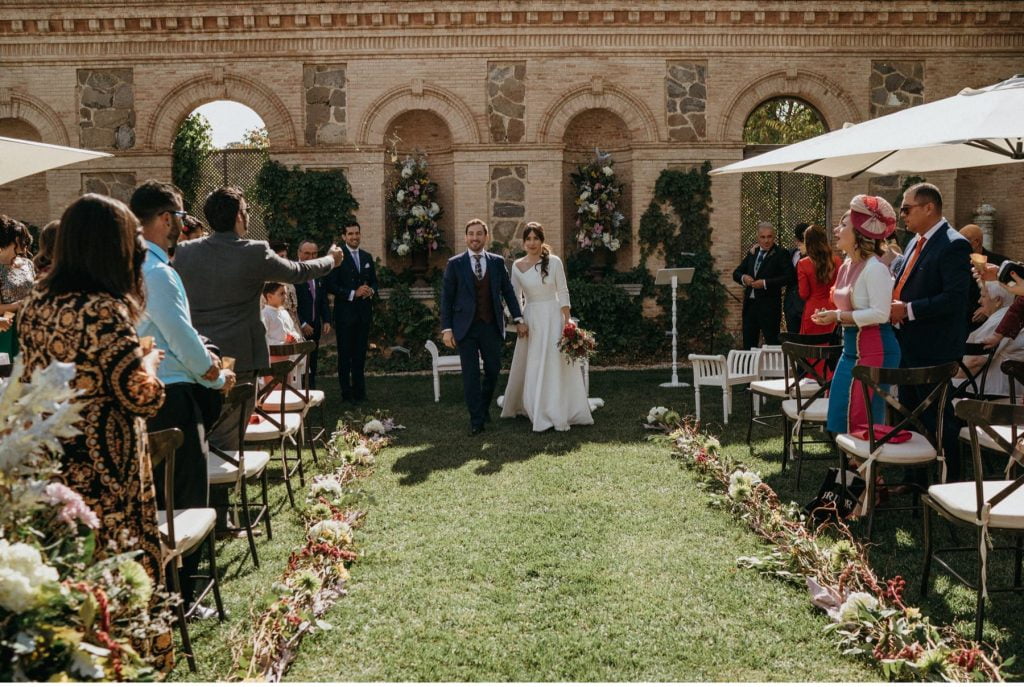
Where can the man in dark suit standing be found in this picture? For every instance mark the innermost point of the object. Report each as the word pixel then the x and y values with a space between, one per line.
pixel 353 284
pixel 929 306
pixel 472 319
pixel 311 304
pixel 763 273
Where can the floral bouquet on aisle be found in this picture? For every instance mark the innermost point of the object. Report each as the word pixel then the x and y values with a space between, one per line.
pixel 576 343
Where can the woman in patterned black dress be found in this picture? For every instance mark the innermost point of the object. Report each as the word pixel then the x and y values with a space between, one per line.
pixel 84 312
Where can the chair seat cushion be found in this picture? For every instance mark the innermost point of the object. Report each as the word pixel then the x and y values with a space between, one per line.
pixel 777 387
pixel 264 430
pixel 191 525
pixel 220 471
pixel 915 450
pixel 959 499
pixel 1004 431
pixel 816 412
pixel 292 401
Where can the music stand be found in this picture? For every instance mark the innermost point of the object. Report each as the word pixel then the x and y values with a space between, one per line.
pixel 674 276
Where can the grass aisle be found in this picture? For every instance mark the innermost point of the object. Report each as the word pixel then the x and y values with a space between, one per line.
pixel 588 555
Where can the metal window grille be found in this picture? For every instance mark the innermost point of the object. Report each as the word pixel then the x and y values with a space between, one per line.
pixel 235 167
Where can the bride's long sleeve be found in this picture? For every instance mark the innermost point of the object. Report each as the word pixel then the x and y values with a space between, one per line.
pixel 518 287
pixel 561 285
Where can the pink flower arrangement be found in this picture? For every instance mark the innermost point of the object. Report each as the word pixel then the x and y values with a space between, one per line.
pixel 73 508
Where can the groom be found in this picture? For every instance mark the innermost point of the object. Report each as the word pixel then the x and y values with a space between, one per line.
pixel 473 320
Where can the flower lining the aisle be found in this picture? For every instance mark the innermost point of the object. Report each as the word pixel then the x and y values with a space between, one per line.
pixel 317 573
pixel 869 617
pixel 67 616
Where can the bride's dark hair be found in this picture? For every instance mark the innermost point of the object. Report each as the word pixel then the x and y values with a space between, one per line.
pixel 545 250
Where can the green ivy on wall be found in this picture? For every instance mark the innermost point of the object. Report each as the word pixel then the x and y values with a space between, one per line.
pixel 301 204
pixel 685 241
pixel 192 145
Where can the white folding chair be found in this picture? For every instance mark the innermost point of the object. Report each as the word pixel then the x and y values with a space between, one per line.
pixel 443 363
pixel 739 367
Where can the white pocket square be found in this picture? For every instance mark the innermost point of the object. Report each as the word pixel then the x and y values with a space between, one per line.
pixel 366 266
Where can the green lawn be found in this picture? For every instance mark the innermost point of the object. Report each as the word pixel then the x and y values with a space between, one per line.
pixel 587 555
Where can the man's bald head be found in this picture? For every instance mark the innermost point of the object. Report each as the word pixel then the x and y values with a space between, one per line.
pixel 972 232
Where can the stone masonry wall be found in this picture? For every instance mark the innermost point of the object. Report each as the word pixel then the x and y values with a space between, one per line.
pixel 508 203
pixel 895 85
pixel 506 101
pixel 686 100
pixel 326 102
pixel 106 100
pixel 117 185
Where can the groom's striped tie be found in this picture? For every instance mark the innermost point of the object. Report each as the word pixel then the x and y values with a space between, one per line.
pixel 477 268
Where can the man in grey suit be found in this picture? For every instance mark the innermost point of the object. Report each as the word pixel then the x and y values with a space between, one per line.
pixel 224 275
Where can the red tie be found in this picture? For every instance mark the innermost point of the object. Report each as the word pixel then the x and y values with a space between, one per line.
pixel 906 270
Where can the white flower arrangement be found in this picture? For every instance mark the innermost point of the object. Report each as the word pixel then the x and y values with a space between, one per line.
pixel 362 455
pixel 22 576
pixel 332 532
pixel 854 605
pixel 400 196
pixel 406 172
pixel 742 483
pixel 402 249
pixel 655 414
pixel 374 427
pixel 327 486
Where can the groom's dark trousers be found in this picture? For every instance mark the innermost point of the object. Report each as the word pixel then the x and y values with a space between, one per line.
pixel 481 341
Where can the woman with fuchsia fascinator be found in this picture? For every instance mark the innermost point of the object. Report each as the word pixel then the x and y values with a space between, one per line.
pixel 862 295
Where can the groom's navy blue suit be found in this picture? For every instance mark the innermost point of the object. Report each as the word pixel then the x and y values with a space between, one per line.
pixel 471 308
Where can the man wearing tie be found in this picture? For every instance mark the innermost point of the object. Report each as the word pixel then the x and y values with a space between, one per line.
pixel 763 274
pixel 311 303
pixel 353 284
pixel 929 306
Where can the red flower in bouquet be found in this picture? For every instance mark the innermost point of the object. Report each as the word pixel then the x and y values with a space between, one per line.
pixel 576 343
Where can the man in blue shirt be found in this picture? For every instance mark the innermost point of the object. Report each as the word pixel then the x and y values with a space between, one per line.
pixel 187 364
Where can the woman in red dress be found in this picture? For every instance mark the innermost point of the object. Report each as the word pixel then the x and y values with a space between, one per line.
pixel 816 275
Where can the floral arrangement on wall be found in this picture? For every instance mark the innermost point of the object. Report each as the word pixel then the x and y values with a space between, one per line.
pixel 600 222
pixel 413 207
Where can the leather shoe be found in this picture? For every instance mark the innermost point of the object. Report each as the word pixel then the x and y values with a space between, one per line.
pixel 473 431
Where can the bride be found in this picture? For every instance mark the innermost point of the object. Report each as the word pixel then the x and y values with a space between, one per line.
pixel 542 385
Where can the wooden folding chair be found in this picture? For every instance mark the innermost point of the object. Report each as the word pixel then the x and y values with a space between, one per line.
pixel 809 405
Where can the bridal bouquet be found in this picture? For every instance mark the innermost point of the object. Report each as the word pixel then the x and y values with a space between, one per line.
pixel 576 343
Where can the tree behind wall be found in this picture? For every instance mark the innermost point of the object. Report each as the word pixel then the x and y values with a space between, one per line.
pixel 685 241
pixel 192 145
pixel 300 204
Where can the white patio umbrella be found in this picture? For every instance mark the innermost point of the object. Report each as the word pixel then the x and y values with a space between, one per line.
pixel 24 158
pixel 979 126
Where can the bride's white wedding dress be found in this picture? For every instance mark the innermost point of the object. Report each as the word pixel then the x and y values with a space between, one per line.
pixel 542 385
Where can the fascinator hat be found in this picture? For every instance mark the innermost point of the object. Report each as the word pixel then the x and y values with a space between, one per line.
pixel 872 216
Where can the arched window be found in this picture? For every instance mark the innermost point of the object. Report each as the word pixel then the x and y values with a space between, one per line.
pixel 782 198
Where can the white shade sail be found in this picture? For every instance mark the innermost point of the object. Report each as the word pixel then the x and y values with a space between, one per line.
pixel 24 158
pixel 977 127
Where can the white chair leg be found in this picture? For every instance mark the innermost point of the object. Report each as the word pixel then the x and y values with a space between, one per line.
pixel 696 395
pixel 726 405
pixel 437 387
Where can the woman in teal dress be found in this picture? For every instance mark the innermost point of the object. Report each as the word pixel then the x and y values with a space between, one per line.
pixel 17 276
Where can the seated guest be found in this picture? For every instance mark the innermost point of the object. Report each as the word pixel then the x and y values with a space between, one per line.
pixel 816 275
pixel 280 327
pixel 291 303
pixel 224 274
pixel 973 234
pixel 17 277
pixel 186 365
pixel 998 300
pixel 863 295
pixel 44 256
pixel 313 309
pixel 84 312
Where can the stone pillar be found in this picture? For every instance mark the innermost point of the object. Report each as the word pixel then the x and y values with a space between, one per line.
pixel 686 100
pixel 106 108
pixel 506 101
pixel 325 100
pixel 508 205
pixel 895 85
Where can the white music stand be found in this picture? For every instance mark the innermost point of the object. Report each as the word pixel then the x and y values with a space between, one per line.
pixel 674 276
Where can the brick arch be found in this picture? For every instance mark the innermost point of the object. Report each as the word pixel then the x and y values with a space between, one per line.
pixel 643 127
pixel 378 117
pixel 37 113
pixel 831 100
pixel 181 100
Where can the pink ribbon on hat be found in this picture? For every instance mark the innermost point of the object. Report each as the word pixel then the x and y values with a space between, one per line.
pixel 872 216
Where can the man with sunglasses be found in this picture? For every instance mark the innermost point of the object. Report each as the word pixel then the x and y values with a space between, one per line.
pixel 187 364
pixel 929 307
